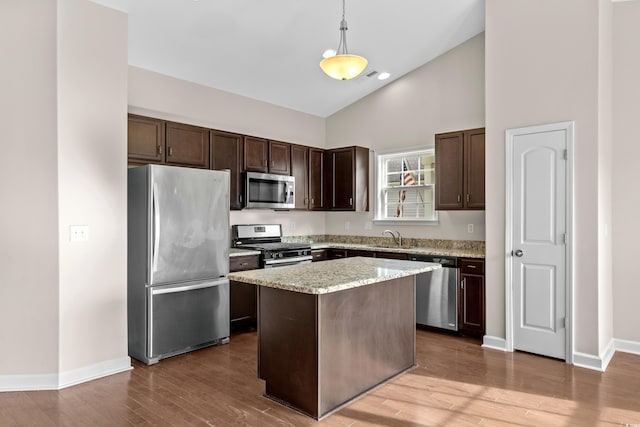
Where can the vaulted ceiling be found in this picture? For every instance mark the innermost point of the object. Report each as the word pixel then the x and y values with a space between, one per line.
pixel 270 50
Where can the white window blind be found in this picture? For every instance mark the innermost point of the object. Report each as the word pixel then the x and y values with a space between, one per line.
pixel 405 186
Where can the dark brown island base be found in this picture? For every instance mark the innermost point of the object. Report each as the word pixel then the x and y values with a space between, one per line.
pixel 330 331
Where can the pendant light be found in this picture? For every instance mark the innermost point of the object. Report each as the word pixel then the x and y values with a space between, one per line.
pixel 342 65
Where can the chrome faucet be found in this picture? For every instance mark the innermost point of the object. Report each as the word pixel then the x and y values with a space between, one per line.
pixel 396 236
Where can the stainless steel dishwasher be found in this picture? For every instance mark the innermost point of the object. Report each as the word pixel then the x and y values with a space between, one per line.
pixel 437 293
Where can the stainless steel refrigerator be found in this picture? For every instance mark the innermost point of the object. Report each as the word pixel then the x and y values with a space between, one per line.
pixel 178 260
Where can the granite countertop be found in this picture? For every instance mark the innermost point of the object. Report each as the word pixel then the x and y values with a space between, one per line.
pixel 240 252
pixel 335 275
pixel 457 252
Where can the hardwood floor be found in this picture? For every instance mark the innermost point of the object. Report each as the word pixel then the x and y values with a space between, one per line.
pixel 456 383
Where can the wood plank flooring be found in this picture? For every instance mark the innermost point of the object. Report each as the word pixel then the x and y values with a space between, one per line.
pixel 457 383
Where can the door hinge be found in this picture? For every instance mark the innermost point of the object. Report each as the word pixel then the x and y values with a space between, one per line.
pixel 564 238
pixel 562 323
pixel 565 154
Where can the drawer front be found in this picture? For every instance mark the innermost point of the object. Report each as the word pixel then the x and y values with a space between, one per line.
pixel 471 266
pixel 319 255
pixel 245 262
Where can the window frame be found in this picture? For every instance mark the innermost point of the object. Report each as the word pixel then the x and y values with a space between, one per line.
pixel 378 202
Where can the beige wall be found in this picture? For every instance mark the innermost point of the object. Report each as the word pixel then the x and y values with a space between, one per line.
pixel 626 152
pixel 92 183
pixel 542 67
pixel 156 95
pixel 446 94
pixel 28 186
pixel 63 305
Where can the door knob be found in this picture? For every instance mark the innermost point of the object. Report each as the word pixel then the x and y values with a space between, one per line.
pixel 517 252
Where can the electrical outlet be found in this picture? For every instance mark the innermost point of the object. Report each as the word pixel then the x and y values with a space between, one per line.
pixel 347 225
pixel 469 228
pixel 79 233
pixel 292 226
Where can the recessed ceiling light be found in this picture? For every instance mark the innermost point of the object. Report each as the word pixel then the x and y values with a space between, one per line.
pixel 328 53
pixel 384 76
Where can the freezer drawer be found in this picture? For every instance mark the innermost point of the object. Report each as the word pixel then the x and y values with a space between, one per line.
pixel 186 316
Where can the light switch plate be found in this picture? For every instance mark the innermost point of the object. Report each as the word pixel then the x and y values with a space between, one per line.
pixel 78 233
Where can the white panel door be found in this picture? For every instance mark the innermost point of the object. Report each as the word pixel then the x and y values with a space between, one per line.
pixel 538 257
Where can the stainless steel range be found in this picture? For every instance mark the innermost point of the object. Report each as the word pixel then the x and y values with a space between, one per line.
pixel 267 238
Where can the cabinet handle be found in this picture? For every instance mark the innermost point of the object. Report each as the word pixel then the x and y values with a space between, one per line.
pixel 244 264
pixel 458 198
pixel 240 197
pixel 170 151
pixel 264 162
pixel 312 200
pixel 350 201
pixel 159 149
pixel 468 198
pixel 470 266
pixel 462 283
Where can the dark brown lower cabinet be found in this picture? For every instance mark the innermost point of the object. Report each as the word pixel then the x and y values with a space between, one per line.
pixel 472 297
pixel 243 296
pixel 318 255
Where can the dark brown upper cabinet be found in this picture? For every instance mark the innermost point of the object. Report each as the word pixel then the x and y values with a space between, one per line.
pixel 347 175
pixel 145 140
pixel 187 145
pixel 262 155
pixel 226 153
pixel 300 171
pixel 256 154
pixel 460 167
pixel 279 158
pixel 316 179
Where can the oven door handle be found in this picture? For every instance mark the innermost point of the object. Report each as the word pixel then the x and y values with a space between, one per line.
pixel 289 260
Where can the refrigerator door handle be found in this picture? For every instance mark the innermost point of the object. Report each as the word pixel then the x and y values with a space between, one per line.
pixel 175 289
pixel 156 227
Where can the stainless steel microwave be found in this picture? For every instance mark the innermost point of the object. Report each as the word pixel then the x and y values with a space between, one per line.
pixel 269 191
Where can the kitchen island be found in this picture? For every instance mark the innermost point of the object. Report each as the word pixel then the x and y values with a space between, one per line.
pixel 330 331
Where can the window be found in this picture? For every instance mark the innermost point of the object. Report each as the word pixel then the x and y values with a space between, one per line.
pixel 405 186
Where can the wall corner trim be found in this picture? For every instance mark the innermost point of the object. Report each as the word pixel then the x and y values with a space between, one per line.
pixel 494 343
pixel 596 363
pixel 34 382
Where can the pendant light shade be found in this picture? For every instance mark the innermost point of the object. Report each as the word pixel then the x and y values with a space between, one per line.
pixel 342 65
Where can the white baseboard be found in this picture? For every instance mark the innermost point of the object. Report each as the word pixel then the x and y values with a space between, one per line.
pixel 494 343
pixel 33 382
pixel 626 346
pixel 95 371
pixel 596 363
pixel 29 382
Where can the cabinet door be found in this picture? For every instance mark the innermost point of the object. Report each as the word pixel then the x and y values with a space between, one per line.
pixel 145 140
pixel 316 179
pixel 256 154
pixel 391 255
pixel 342 178
pixel 226 153
pixel 187 145
pixel 449 171
pixel 243 296
pixel 300 171
pixel 474 148
pixel 279 158
pixel 472 304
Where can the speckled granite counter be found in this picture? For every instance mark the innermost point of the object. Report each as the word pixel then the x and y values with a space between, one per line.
pixel 331 276
pixel 410 245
